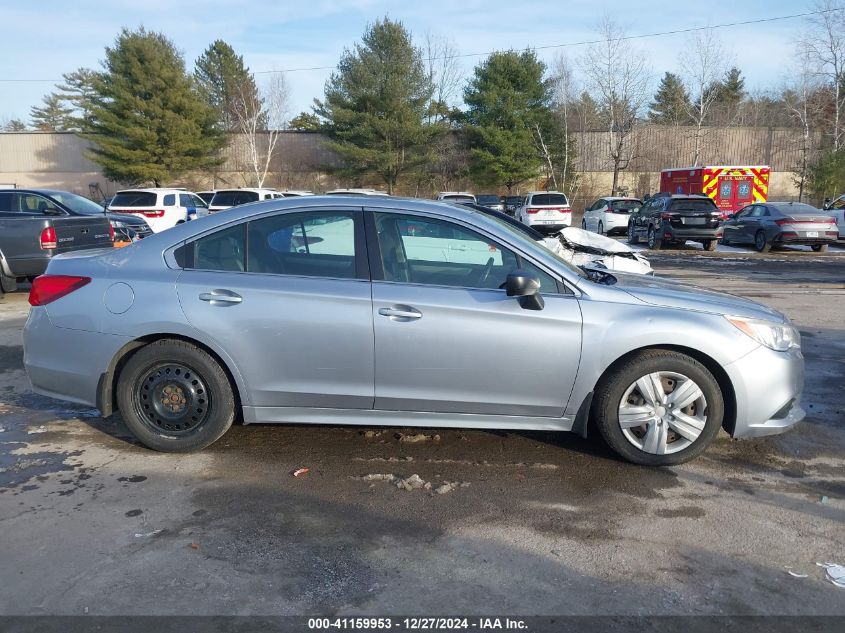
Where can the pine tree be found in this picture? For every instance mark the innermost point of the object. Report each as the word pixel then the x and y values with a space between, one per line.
pixel 226 84
pixel 53 116
pixel 671 101
pixel 729 95
pixel 77 91
pixel 508 100
pixel 306 122
pixel 148 123
pixel 13 125
pixel 375 105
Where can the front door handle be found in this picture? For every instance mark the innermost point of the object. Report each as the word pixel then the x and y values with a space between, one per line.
pixel 220 297
pixel 400 313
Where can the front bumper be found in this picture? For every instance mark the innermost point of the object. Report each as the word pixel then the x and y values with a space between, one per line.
pixel 768 386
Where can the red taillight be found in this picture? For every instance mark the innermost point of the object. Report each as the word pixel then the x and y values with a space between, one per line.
pixel 48 288
pixel 665 216
pixel 111 232
pixel 154 214
pixel 531 210
pixel 48 238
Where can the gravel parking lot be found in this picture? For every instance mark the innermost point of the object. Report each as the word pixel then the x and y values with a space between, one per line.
pixel 519 523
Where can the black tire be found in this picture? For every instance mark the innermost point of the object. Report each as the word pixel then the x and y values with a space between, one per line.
pixel 654 242
pixel 611 388
pixel 207 409
pixel 820 248
pixel 601 228
pixel 761 245
pixel 8 284
pixel 709 245
pixel 724 241
pixel 583 225
pixel 632 237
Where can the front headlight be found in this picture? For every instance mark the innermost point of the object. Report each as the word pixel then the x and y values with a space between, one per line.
pixel 777 336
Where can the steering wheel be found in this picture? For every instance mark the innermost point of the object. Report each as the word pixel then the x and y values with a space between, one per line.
pixel 486 272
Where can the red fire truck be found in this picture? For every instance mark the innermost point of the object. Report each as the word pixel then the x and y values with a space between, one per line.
pixel 730 187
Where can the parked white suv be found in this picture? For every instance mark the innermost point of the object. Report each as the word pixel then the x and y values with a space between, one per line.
pixel 610 215
pixel 355 192
pixel 545 211
pixel 457 196
pixel 227 198
pixel 837 210
pixel 162 208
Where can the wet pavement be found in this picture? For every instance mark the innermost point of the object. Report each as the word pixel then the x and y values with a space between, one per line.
pixel 519 523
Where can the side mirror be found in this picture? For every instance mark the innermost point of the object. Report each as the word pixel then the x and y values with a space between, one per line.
pixel 52 211
pixel 827 203
pixel 525 286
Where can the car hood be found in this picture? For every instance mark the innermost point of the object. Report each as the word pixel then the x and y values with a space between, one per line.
pixel 673 294
pixel 128 220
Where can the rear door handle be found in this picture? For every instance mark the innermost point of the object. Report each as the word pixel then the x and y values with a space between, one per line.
pixel 220 297
pixel 400 313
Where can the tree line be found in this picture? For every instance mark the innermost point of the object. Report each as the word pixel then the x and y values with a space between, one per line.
pixel 389 109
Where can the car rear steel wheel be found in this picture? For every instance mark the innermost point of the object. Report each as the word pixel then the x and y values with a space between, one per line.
pixel 663 413
pixel 175 397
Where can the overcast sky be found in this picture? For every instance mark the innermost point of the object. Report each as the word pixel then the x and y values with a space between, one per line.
pixel 44 38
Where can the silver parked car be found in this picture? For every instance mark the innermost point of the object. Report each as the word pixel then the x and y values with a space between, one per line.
pixel 334 310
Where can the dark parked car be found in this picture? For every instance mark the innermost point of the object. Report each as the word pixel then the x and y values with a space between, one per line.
pixel 491 201
pixel 36 224
pixel 780 223
pixel 512 203
pixel 668 220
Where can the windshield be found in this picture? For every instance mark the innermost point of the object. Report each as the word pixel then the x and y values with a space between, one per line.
pixel 488 199
pixel 459 198
pixel 78 204
pixel 530 243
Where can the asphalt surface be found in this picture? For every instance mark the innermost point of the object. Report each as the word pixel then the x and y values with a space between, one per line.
pixel 535 523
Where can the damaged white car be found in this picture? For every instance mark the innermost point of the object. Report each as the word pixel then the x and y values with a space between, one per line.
pixel 591 250
pixel 580 248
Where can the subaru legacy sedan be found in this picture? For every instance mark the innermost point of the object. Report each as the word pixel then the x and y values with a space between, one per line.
pixel 339 310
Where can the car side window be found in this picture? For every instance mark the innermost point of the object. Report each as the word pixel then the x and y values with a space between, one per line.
pixel 32 203
pixel 185 200
pixel 169 200
pixel 436 252
pixel 196 201
pixel 759 211
pixel 223 250
pixel 313 244
pixel 8 202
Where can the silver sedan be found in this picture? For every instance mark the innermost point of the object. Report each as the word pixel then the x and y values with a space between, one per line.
pixel 334 310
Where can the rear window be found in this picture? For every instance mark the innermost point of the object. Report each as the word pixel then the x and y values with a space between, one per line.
pixel 625 205
pixel 458 198
pixel 134 199
pixel 488 199
pixel 692 205
pixel 797 209
pixel 233 198
pixel 549 199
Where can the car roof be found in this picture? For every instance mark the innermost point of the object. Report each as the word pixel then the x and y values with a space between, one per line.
pixel 156 190
pixel 612 198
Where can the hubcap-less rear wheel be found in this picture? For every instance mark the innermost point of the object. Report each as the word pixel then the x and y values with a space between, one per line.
pixel 663 412
pixel 173 398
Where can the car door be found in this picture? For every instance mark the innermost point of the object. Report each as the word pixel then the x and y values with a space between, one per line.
pixel 287 296
pixel 731 227
pixel 448 339
pixel 749 223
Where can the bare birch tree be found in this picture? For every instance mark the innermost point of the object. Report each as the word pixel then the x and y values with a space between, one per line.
pixel 565 97
pixel 703 66
pixel 444 72
pixel 260 121
pixel 825 46
pixel 801 101
pixel 619 78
